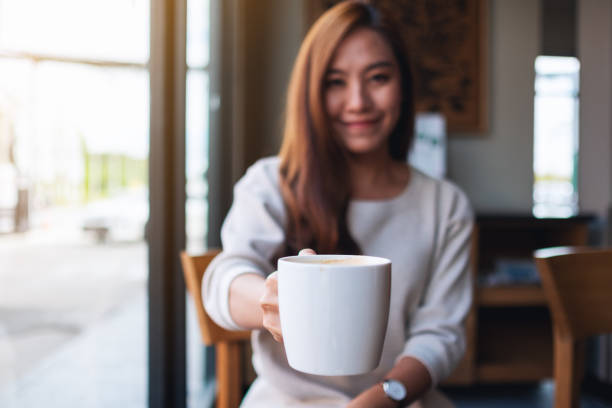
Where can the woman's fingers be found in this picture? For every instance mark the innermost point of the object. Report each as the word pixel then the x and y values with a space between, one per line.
pixel 269 299
pixel 272 324
pixel 269 302
pixel 269 305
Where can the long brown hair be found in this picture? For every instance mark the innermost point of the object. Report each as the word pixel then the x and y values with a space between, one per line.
pixel 314 177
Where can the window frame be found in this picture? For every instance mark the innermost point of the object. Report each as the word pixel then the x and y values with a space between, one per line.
pixel 166 236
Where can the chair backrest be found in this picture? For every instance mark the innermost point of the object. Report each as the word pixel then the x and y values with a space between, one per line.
pixel 194 267
pixel 577 282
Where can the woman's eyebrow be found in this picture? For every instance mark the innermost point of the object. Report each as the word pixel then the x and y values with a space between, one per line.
pixel 378 64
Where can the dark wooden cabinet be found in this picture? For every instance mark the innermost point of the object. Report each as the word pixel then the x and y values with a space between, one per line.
pixel 509 329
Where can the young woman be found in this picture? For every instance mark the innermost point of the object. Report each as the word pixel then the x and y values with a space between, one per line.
pixel 341 185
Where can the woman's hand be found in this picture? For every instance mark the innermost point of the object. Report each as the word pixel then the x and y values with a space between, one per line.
pixel 269 303
pixel 269 306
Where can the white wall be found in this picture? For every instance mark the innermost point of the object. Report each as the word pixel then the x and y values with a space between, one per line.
pixel 594 46
pixel 495 169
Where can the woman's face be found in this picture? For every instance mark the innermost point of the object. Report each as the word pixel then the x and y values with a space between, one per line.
pixel 363 92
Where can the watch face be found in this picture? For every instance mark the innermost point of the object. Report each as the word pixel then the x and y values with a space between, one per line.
pixel 394 390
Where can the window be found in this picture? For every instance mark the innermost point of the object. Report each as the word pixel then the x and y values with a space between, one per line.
pixel 198 17
pixel 200 359
pixel 555 189
pixel 74 149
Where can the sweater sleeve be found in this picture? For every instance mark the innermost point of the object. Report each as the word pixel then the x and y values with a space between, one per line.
pixel 252 235
pixel 436 333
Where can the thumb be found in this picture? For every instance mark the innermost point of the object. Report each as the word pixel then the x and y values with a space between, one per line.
pixel 307 251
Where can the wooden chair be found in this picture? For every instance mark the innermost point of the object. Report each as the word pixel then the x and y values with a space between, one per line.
pixel 577 283
pixel 228 344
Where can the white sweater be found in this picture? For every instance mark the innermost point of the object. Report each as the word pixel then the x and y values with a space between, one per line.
pixel 425 231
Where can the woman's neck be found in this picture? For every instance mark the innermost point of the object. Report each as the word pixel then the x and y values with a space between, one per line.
pixel 377 176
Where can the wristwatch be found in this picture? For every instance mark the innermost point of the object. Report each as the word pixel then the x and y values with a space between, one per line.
pixel 395 390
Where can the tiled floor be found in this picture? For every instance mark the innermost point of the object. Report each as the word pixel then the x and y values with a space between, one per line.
pixel 54 287
pixel 104 367
pixel 72 316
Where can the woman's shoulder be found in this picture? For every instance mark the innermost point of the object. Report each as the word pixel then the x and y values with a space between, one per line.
pixel 264 167
pixel 261 176
pixel 442 192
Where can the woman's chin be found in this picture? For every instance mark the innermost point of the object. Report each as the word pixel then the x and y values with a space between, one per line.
pixel 361 145
pixel 365 151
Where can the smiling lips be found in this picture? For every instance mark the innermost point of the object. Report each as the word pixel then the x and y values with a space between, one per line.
pixel 360 124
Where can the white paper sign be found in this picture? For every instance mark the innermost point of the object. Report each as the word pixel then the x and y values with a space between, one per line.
pixel 428 152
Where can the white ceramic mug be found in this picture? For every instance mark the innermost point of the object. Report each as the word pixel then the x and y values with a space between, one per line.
pixel 334 311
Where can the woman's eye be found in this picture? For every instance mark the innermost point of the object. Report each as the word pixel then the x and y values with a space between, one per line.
pixel 380 78
pixel 333 82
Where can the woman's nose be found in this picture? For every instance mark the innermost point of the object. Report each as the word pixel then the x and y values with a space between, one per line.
pixel 357 98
